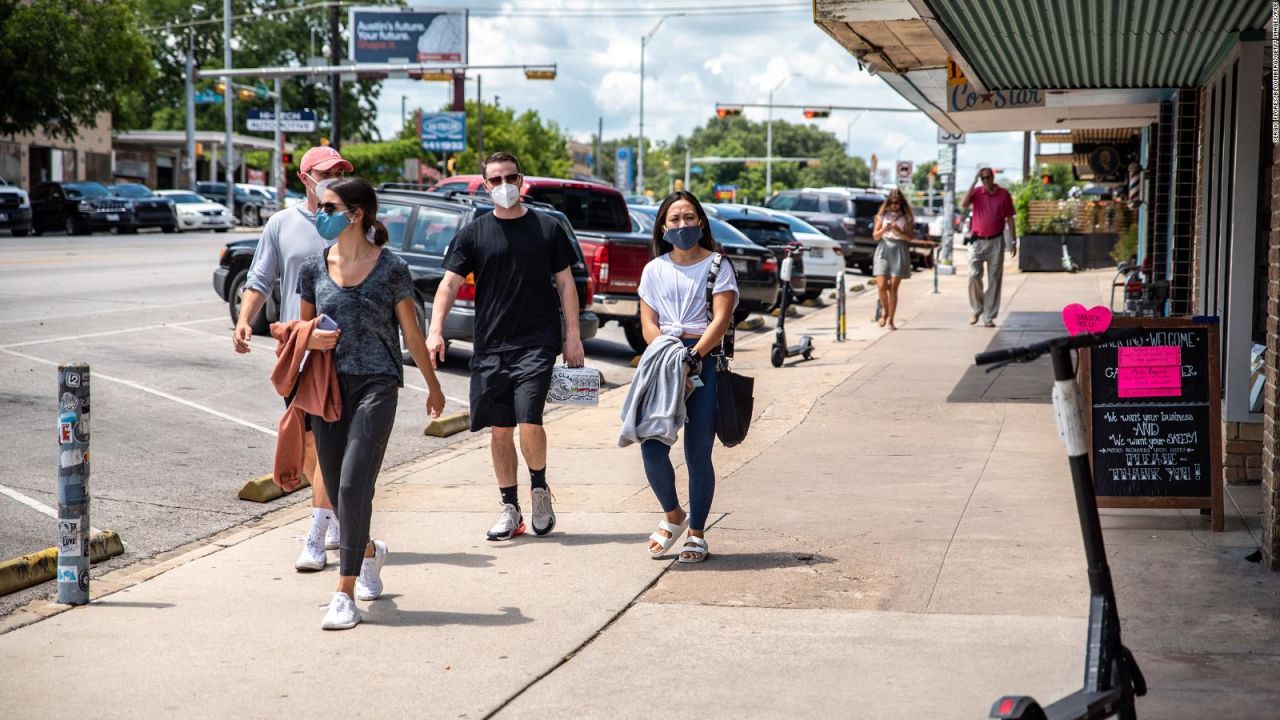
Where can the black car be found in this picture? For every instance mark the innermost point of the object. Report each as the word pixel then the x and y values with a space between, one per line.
pixel 756 266
pixel 149 209
pixel 769 232
pixel 251 209
pixel 421 225
pixel 78 208
pixel 845 215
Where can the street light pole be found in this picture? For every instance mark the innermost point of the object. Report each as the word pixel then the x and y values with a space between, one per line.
pixel 644 41
pixel 848 134
pixel 768 141
pixel 191 102
pixel 228 92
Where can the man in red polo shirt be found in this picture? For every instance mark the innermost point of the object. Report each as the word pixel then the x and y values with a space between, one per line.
pixel 992 218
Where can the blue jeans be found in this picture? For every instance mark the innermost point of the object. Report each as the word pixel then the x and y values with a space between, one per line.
pixel 699 434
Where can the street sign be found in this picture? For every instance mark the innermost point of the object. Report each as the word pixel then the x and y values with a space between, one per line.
pixel 725 192
pixel 290 121
pixel 208 97
pixel 443 132
pixel 904 169
pixel 946 138
pixel 944 161
pixel 622 169
pixel 695 170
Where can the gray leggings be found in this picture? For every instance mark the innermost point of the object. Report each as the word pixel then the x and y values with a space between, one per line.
pixel 350 455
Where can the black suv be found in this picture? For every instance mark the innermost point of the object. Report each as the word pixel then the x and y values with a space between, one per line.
pixel 768 232
pixel 149 209
pixel 421 226
pixel 78 208
pixel 846 215
pixel 250 208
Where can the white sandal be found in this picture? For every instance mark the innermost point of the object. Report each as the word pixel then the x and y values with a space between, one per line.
pixel 667 542
pixel 695 546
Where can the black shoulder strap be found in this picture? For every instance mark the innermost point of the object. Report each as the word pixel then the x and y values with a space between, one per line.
pixel 714 273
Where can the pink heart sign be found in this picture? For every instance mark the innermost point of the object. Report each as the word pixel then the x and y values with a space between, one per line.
pixel 1079 320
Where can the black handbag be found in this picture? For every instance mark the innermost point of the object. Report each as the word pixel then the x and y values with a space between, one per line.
pixel 734 392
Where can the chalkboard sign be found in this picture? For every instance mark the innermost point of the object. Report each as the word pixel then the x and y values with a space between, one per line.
pixel 1154 427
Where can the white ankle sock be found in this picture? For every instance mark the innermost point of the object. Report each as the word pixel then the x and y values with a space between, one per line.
pixel 320 518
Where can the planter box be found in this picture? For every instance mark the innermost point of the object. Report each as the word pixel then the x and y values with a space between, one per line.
pixel 1043 253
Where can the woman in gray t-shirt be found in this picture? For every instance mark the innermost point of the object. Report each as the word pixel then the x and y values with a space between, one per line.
pixel 366 290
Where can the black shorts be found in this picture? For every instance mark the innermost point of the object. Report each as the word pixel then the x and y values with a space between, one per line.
pixel 510 387
pixel 306 419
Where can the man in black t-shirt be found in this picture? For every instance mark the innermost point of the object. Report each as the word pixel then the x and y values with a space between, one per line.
pixel 520 260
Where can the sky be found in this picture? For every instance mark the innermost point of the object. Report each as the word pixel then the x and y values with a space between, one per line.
pixel 691 63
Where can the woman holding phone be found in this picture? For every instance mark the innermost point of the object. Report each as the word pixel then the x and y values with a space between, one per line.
pixel 893 227
pixel 368 292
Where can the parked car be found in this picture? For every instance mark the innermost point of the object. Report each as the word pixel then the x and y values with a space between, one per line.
pixel 196 213
pixel 614 255
pixel 421 226
pixel 845 215
pixel 766 231
pixel 78 208
pixel 250 208
pixel 756 266
pixel 149 209
pixel 15 209
pixel 823 257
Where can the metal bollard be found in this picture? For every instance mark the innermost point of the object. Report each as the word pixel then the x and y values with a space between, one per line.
pixel 840 316
pixel 73 484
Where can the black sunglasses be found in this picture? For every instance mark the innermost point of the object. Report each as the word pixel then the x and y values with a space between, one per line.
pixel 499 179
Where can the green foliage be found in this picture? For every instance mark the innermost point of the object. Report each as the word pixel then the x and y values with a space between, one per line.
pixel 1059 224
pixel 278 40
pixel 1023 193
pixel 65 61
pixel 382 161
pixel 920 178
pixel 1126 247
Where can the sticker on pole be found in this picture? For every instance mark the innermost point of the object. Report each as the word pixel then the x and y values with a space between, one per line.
pixel 69 538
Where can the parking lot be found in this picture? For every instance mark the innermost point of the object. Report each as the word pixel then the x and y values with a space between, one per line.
pixel 180 421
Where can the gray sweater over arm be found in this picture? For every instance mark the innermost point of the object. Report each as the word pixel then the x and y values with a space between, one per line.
pixel 654 408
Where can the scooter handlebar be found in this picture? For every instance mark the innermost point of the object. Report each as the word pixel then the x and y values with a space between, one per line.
pixel 1028 353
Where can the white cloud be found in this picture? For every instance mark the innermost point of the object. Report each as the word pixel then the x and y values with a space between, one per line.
pixel 690 65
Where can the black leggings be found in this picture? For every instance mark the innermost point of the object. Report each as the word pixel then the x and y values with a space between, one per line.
pixel 350 455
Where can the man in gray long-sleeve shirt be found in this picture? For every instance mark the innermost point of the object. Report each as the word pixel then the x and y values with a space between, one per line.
pixel 289 238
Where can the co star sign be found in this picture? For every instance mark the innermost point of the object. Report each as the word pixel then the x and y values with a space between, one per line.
pixel 446 131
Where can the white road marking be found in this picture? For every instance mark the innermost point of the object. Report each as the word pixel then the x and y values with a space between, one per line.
pixel 34 504
pixel 454 400
pixel 105 332
pixel 153 391
pixel 132 308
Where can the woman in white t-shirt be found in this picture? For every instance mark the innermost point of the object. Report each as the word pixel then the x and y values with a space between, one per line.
pixel 673 301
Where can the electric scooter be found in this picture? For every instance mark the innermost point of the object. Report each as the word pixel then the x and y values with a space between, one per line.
pixel 781 350
pixel 1112 679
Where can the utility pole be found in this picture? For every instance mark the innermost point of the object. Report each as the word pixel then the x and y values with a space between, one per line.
pixel 768 141
pixel 1026 155
pixel 335 80
pixel 595 164
pixel 228 93
pixel 644 41
pixel 277 167
pixel 480 122
pixel 191 104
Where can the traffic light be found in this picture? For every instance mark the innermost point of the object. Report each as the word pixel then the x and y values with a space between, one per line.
pixel 539 74
pixel 1046 179
pixel 199 149
pixel 324 141
pixel 220 87
pixel 247 93
pixel 286 158
pixel 724 111
pixel 812 113
pixel 451 165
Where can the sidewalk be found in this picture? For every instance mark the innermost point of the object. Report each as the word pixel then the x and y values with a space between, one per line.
pixel 897 538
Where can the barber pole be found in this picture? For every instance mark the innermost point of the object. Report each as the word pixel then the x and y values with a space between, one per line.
pixel 1135 184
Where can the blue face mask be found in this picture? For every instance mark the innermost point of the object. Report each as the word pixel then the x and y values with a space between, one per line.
pixel 683 237
pixel 331 226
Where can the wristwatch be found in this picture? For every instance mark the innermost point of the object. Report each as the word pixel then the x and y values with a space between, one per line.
pixel 694 361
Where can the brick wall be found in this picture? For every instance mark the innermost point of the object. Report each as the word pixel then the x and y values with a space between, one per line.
pixel 1271 403
pixel 1242 453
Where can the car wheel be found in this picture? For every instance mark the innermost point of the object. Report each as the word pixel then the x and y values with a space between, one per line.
pixel 740 315
pixel 71 227
pixel 129 230
pixel 865 269
pixel 171 228
pixel 221 230
pixel 635 336
pixel 19 232
pixel 35 230
pixel 261 325
pixel 810 295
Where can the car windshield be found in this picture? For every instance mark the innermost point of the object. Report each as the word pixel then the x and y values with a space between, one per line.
pixel 586 210
pixel 131 190
pixel 86 189
pixel 795 202
pixel 721 231
pixel 797 225
pixel 764 232
pixel 186 198
pixel 837 204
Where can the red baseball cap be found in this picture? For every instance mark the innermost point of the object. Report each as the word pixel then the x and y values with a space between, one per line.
pixel 322 158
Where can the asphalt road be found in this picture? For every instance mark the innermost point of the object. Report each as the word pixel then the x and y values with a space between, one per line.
pixel 180 421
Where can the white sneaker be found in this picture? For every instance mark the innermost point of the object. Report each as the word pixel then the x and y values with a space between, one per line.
pixel 332 537
pixel 544 513
pixel 369 581
pixel 342 613
pixel 510 524
pixel 312 557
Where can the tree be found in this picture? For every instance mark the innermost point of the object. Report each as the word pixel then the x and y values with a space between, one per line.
pixel 920 178
pixel 66 61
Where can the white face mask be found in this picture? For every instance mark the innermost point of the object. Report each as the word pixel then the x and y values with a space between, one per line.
pixel 505 196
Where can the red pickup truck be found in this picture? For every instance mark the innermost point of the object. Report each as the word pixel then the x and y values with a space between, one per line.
pixel 615 255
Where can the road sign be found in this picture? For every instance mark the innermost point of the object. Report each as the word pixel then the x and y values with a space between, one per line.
pixel 622 169
pixel 725 192
pixel 695 170
pixel 944 161
pixel 946 138
pixel 208 97
pixel 904 169
pixel 443 132
pixel 290 120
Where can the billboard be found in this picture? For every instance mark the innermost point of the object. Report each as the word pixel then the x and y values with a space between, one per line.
pixel 381 34
pixel 443 131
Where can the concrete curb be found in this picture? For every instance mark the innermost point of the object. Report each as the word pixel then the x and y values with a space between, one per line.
pixel 23 572
pixel 791 312
pixel 755 322
pixel 447 425
pixel 264 489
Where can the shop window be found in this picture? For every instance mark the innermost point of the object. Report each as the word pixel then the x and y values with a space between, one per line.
pixel 97 166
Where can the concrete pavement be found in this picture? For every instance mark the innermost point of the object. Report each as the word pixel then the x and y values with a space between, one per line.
pixel 897 537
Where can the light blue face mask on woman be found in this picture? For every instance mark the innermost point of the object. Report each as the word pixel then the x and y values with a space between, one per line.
pixel 331 226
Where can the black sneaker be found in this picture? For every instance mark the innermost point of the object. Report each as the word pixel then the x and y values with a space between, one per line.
pixel 544 515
